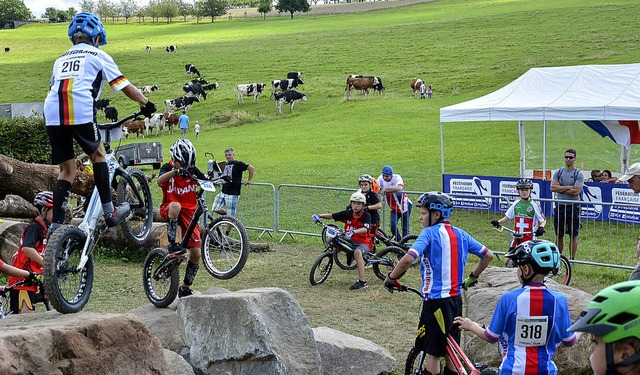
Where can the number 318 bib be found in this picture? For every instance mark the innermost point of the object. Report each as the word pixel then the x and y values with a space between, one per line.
pixel 531 330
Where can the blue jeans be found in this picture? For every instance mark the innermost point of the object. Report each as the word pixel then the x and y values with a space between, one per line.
pixel 393 223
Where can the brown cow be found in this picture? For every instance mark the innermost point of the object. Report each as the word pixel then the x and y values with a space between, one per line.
pixel 416 83
pixel 134 126
pixel 364 84
pixel 170 119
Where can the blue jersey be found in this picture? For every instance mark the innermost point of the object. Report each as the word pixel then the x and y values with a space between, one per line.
pixel 534 321
pixel 443 250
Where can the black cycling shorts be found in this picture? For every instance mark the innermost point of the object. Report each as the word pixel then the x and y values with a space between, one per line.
pixel 566 219
pixel 61 138
pixel 430 337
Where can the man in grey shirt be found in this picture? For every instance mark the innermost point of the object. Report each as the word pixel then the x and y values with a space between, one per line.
pixel 567 183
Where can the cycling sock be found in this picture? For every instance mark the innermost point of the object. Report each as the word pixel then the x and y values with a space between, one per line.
pixel 172 227
pixel 61 189
pixel 101 177
pixel 190 275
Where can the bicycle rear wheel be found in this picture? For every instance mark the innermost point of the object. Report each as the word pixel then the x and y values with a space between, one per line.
pixel 68 289
pixel 321 268
pixel 563 275
pixel 160 279
pixel 225 247
pixel 138 224
pixel 406 242
pixel 344 259
pixel 387 260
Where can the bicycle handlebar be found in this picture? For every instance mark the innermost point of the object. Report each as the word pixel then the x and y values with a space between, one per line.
pixel 515 234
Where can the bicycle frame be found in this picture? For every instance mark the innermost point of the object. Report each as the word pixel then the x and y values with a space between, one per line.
pixel 201 209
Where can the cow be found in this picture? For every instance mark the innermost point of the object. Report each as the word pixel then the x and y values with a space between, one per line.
pixel 197 81
pixel 170 49
pixel 185 102
pixel 249 89
pixel 148 49
pixel 156 121
pixel 283 85
pixel 7 49
pixel 111 114
pixel 290 96
pixel 297 76
pixel 415 86
pixel 195 89
pixel 125 132
pixel 101 104
pixel 149 89
pixel 364 84
pixel 170 119
pixel 191 70
pixel 135 126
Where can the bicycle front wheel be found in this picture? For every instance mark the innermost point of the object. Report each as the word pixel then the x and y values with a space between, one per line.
pixel 321 268
pixel 563 275
pixel 225 247
pixel 387 260
pixel 68 288
pixel 160 279
pixel 416 363
pixel 138 224
pixel 325 240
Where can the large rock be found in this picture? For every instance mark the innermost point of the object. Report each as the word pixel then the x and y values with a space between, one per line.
pixel 481 301
pixel 345 354
pixel 177 364
pixel 83 343
pixel 256 331
pixel 164 323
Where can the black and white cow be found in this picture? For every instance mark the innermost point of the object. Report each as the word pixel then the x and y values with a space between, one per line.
pixel 195 89
pixel 191 70
pixel 184 102
pixel 198 81
pixel 156 121
pixel 297 76
pixel 249 89
pixel 290 96
pixel 111 114
pixel 283 85
pixel 148 49
pixel 148 89
pixel 7 49
pixel 101 104
pixel 170 49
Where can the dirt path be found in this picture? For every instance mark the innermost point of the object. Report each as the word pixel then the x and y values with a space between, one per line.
pixel 325 9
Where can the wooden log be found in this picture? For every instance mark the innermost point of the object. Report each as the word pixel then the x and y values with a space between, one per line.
pixel 17 207
pixel 10 234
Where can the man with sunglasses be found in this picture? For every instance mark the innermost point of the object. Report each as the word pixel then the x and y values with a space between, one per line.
pixel 567 183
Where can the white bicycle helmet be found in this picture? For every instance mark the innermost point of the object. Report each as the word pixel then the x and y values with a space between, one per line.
pixel 358 197
pixel 183 152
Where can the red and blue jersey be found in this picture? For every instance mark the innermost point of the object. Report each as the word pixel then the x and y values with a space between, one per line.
pixel 534 320
pixel 443 250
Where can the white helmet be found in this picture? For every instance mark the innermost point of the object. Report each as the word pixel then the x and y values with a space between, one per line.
pixel 358 197
pixel 183 151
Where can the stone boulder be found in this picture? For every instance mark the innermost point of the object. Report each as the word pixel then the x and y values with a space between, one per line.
pixel 164 323
pixel 79 344
pixel 481 300
pixel 177 364
pixel 255 331
pixel 345 354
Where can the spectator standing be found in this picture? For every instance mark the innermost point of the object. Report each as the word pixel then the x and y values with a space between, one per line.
pixel 391 187
pixel 429 92
pixel 183 120
pixel 423 91
pixel 197 129
pixel 567 183
pixel 230 192
pixel 633 177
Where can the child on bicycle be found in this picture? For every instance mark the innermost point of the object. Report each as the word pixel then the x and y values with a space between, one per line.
pixel 69 112
pixel 532 320
pixel 179 202
pixel 612 317
pixel 442 250
pixel 356 231
pixel 30 255
pixel 526 214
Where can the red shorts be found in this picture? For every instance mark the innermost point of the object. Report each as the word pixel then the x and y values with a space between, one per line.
pixel 183 221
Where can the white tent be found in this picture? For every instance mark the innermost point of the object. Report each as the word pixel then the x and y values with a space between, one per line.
pixel 586 92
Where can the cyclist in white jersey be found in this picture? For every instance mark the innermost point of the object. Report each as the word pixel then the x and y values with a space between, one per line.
pixel 76 83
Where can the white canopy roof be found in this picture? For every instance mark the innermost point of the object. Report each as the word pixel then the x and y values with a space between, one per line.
pixel 585 92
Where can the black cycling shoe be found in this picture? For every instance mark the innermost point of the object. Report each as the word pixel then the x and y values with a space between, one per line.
pixel 184 291
pixel 174 248
pixel 118 215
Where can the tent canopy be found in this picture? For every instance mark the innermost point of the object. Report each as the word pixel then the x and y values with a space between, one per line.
pixel 585 92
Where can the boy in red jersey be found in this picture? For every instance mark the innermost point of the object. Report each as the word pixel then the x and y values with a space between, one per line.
pixel 179 203
pixel 356 231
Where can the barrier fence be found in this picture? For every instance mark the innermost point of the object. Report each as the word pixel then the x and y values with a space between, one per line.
pixel 286 211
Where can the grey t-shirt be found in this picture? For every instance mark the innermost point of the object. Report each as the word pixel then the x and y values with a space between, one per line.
pixel 568 178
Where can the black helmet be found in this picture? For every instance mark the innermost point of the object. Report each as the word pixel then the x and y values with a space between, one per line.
pixel 524 183
pixel 438 201
pixel 183 151
pixel 542 255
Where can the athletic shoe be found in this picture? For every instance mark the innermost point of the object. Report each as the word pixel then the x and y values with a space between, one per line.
pixel 359 285
pixel 174 248
pixel 184 291
pixel 118 215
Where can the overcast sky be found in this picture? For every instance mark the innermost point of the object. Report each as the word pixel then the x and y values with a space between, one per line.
pixel 37 7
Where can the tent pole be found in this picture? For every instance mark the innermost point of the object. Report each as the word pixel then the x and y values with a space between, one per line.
pixel 624 158
pixel 442 147
pixel 522 148
pixel 544 149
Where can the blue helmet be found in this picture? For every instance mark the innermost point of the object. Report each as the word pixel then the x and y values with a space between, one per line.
pixel 90 25
pixel 542 255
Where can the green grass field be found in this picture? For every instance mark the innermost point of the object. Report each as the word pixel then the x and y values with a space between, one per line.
pixel 465 49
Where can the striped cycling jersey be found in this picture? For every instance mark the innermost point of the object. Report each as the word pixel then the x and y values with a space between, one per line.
pixel 534 313
pixel 526 217
pixel 398 202
pixel 76 83
pixel 443 249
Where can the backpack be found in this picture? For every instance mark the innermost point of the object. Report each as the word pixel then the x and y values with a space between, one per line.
pixel 375 185
pixel 575 174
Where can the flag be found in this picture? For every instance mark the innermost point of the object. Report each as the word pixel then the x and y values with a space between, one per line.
pixel 624 133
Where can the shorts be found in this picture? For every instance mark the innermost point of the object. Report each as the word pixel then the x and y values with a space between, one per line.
pixel 566 219
pixel 183 131
pixel 183 221
pixel 61 138
pixel 225 200
pixel 429 336
pixel 19 297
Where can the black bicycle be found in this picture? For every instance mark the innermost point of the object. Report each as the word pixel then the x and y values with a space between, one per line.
pixel 5 302
pixel 225 249
pixel 337 249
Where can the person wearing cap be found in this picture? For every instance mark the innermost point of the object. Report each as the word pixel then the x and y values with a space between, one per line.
pixel 391 188
pixel 183 120
pixel 632 176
